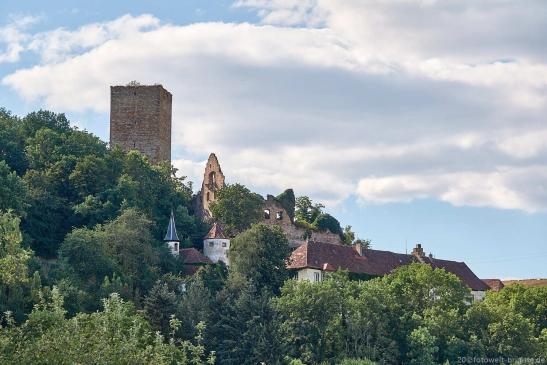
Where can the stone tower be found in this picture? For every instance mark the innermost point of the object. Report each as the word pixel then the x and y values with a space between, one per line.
pixel 213 180
pixel 140 119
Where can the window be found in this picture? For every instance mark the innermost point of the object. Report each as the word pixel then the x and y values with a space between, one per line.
pixel 279 215
pixel 208 199
pixel 266 214
pixel 322 275
pixel 315 276
pixel 211 244
pixel 223 244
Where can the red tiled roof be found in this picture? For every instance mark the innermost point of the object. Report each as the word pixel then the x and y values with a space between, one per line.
pixel 192 256
pixel 494 284
pixel 216 231
pixel 373 262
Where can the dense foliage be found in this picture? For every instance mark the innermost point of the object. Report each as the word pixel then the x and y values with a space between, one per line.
pixel 57 177
pixel 85 279
pixel 237 207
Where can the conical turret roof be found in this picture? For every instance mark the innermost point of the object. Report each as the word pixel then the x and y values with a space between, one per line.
pixel 171 234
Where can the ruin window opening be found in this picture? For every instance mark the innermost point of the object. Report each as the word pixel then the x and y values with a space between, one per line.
pixel 279 215
pixel 266 214
pixel 208 198
pixel 212 179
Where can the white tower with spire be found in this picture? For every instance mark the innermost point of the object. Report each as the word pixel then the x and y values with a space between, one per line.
pixel 171 237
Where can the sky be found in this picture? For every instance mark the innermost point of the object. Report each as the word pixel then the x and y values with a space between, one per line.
pixel 413 121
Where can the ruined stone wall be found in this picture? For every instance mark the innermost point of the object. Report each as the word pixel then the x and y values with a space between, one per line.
pixel 295 235
pixel 140 119
pixel 213 180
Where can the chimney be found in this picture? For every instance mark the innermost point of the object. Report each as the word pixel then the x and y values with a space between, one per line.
pixel 418 252
pixel 359 248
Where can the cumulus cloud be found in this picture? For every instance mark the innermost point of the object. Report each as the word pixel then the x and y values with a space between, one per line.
pixel 387 101
pixel 13 37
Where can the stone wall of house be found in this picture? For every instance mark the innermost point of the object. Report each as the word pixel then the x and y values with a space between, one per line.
pixel 275 214
pixel 140 119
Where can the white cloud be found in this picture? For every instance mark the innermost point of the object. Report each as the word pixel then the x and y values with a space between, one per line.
pixel 385 100
pixel 13 36
pixel 507 188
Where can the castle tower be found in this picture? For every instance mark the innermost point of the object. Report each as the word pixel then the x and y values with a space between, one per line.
pixel 140 119
pixel 213 180
pixel 216 244
pixel 171 237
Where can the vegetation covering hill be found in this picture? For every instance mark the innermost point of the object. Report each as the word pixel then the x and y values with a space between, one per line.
pixel 526 282
pixel 84 278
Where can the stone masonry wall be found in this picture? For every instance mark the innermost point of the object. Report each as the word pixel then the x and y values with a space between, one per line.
pixel 213 180
pixel 140 119
pixel 275 214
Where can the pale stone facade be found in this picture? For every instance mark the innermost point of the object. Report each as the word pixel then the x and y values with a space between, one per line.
pixel 216 249
pixel 140 119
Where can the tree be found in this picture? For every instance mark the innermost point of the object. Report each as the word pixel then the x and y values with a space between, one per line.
pixel 422 347
pixel 237 207
pixel 124 248
pixel 348 235
pixel 13 192
pixel 13 258
pixel 288 202
pixel 12 142
pixel 306 211
pixel 312 318
pixel 260 255
pixel 116 335
pixel 366 243
pixel 243 325
pixel 159 306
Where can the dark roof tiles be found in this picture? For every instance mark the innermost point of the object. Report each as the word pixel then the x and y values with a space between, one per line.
pixel 373 262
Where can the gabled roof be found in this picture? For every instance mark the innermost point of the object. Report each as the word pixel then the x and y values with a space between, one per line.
pixel 171 234
pixel 191 256
pixel 320 255
pixel 494 284
pixel 216 231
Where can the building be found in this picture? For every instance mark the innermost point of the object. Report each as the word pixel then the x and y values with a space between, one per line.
pixel 193 260
pixel 216 244
pixel 494 284
pixel 313 259
pixel 171 237
pixel 140 119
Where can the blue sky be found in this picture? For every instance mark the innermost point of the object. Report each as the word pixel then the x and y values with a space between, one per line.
pixel 412 120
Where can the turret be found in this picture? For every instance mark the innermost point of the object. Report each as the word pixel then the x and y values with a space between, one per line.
pixel 171 237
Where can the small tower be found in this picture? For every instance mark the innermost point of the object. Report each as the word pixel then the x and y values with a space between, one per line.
pixel 171 237
pixel 216 244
